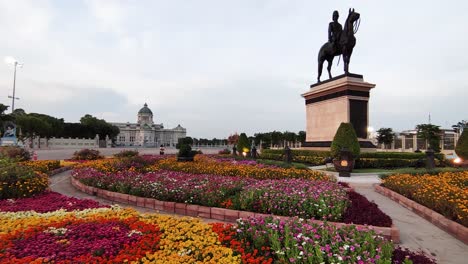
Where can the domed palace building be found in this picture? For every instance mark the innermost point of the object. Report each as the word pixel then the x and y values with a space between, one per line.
pixel 146 133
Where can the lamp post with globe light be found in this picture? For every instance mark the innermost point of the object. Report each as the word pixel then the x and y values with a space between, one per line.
pixel 13 61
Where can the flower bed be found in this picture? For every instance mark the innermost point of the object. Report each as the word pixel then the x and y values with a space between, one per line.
pixel 47 202
pixel 44 166
pixel 287 197
pixel 209 165
pixel 103 235
pixel 299 197
pixel 107 234
pixel 268 240
pixel 445 193
pixel 20 181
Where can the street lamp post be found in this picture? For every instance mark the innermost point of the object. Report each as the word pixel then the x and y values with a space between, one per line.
pixel 11 60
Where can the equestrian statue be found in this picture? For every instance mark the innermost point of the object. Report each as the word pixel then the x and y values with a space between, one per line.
pixel 341 41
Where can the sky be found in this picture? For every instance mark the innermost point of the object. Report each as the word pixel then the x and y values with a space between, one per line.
pixel 217 67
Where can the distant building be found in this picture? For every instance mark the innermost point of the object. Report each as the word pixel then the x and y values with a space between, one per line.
pixel 146 133
pixel 408 141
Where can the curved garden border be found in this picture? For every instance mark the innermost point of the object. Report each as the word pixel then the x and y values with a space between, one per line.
pixel 59 170
pixel 453 228
pixel 216 213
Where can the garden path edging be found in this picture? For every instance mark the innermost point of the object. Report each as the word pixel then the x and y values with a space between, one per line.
pixel 222 214
pixel 59 170
pixel 453 228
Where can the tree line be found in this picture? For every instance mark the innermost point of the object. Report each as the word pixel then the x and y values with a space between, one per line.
pixel 29 125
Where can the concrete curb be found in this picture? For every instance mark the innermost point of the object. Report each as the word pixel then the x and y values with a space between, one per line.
pixel 453 228
pixel 222 214
pixel 59 170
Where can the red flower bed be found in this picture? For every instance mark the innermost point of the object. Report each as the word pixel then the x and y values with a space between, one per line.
pixel 47 202
pixel 226 235
pixel 363 212
pixel 82 241
pixel 402 254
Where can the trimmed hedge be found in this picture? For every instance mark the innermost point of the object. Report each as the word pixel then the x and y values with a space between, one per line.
pixel 398 155
pixel 366 159
pixel 313 158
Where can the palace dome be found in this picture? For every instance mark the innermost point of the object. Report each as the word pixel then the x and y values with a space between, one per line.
pixel 145 110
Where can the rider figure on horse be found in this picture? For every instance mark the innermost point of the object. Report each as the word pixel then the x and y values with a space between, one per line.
pixel 334 32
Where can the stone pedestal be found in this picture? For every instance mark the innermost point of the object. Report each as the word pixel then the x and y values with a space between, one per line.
pixel 329 103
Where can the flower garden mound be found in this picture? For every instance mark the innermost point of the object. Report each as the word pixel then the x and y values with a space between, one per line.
pixel 71 230
pixel 445 193
pixel 231 167
pixel 47 202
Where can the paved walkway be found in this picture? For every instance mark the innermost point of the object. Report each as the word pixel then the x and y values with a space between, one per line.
pixel 416 233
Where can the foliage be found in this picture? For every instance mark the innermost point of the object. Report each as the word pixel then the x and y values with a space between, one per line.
pixel 398 155
pixel 431 133
pixel 35 124
pixel 44 166
pixel 385 136
pixel 345 137
pixel 99 127
pixel 16 153
pixel 363 212
pixel 243 144
pixel 388 163
pixel 462 145
pixel 403 255
pixel 206 165
pixel 184 141
pixel 87 154
pixel 232 139
pixel 126 154
pixel 459 127
pixel 4 117
pixel 20 181
pixel 444 192
pixel 186 151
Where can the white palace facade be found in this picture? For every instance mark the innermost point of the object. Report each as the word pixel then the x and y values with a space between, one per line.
pixel 146 133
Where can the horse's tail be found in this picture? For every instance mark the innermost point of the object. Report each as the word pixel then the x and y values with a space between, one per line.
pixel 338 63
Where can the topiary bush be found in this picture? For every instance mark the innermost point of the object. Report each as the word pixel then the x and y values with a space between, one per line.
pixel 243 144
pixel 18 181
pixel 462 145
pixel 16 153
pixel 87 154
pixel 345 137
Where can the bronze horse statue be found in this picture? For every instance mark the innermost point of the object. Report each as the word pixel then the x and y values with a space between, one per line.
pixel 344 46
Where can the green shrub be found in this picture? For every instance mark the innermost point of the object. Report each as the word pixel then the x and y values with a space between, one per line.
pixel 87 154
pixel 18 181
pixel 462 145
pixel 16 153
pixel 186 151
pixel 345 137
pixel 127 154
pixel 243 143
